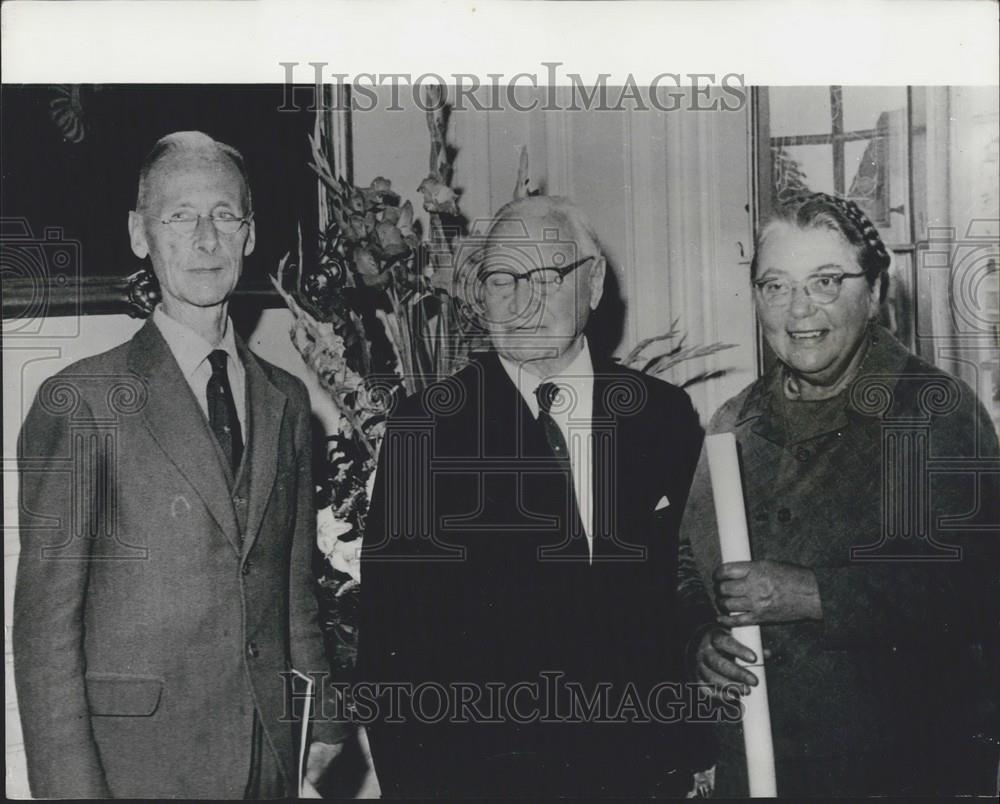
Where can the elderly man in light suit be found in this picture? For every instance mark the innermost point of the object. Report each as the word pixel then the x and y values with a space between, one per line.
pixel 163 589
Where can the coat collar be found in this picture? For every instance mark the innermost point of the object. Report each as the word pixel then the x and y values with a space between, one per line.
pixel 500 411
pixel 883 364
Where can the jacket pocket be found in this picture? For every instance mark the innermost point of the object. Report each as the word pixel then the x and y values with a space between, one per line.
pixel 118 695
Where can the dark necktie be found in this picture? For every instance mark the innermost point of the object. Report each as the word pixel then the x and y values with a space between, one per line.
pixel 222 411
pixel 546 393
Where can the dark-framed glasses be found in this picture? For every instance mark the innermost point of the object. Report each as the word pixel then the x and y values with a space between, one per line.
pixel 499 282
pixel 186 223
pixel 821 288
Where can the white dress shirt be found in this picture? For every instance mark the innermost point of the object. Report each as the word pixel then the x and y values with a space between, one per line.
pixel 574 416
pixel 191 352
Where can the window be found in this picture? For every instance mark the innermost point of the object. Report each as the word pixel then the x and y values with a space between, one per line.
pixel 924 165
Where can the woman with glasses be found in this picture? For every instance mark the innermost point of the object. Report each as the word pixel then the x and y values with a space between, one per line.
pixel 872 510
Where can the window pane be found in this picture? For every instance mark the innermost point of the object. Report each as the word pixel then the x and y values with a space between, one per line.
pixel 799 110
pixel 802 167
pixel 863 106
pixel 864 166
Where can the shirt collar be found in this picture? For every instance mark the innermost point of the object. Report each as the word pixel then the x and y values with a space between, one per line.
pixel 579 375
pixel 189 349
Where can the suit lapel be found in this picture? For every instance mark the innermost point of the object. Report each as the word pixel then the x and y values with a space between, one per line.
pixel 177 423
pixel 618 428
pixel 506 414
pixel 606 440
pixel 265 413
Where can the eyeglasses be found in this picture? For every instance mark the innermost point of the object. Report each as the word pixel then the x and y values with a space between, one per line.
pixel 502 282
pixel 225 223
pixel 823 288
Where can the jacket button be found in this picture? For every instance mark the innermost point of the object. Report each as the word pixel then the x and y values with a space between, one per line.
pixel 246 568
pixel 784 516
pixel 253 650
pixel 802 454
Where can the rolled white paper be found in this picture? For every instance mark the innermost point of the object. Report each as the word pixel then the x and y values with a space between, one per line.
pixel 734 539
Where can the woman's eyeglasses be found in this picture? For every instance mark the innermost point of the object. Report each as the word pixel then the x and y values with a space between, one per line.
pixel 822 288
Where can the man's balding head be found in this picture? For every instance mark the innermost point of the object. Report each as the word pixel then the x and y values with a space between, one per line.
pixel 556 210
pixel 187 146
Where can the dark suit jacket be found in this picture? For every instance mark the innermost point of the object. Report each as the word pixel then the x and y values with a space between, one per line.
pixel 473 573
pixel 146 632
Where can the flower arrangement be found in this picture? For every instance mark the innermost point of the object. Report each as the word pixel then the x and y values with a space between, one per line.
pixel 374 319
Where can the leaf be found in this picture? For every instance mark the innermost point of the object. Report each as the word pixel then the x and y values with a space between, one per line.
pixel 325 177
pixel 633 356
pixel 521 188
pixel 704 376
pixel 667 361
pixel 405 218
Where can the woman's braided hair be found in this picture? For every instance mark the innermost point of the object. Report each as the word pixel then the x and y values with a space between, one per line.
pixel 841 215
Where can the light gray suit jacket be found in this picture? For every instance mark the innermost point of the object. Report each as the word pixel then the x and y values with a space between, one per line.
pixel 146 630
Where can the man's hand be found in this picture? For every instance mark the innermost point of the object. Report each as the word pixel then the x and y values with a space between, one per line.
pixel 714 663
pixel 755 592
pixel 319 759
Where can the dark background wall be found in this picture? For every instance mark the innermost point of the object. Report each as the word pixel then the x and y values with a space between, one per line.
pixel 71 157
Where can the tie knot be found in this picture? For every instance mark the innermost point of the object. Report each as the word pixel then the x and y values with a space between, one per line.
pixel 546 392
pixel 218 361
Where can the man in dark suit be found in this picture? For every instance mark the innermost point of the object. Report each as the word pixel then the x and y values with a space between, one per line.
pixel 519 624
pixel 163 587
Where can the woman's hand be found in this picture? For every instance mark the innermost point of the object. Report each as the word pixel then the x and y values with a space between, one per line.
pixel 714 663
pixel 755 592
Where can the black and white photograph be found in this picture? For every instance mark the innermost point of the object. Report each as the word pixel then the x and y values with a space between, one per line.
pixel 501 400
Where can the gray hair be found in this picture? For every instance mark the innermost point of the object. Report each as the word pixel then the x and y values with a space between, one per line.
pixel 558 209
pixel 194 143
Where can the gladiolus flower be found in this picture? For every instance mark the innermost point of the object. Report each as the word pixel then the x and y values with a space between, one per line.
pixel 366 264
pixel 389 239
pixel 438 196
pixel 329 529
